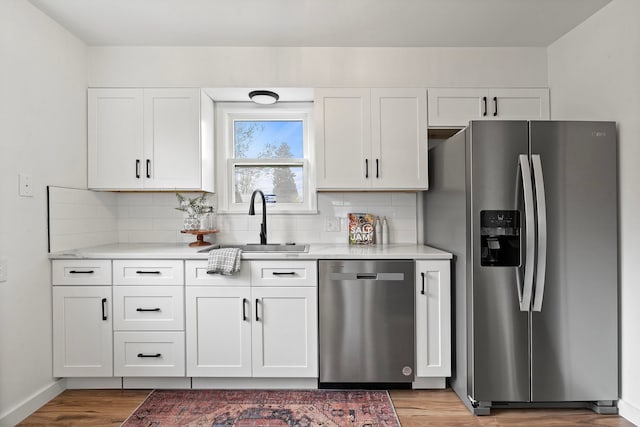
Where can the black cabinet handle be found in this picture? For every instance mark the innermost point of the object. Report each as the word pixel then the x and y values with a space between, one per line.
pixel 284 273
pixel 377 169
pixel 81 272
pixel 484 101
pixel 244 309
pixel 104 309
pixel 138 168
pixel 149 355
pixel 148 309
pixel 257 317
pixel 147 272
pixel 495 106
pixel 148 168
pixel 366 168
pixel 422 274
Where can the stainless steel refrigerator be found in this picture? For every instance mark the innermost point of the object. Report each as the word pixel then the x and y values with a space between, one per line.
pixel 529 210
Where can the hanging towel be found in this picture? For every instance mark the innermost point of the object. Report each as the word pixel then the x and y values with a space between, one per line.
pixel 224 261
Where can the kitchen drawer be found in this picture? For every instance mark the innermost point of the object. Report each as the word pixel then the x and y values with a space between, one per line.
pixel 148 272
pixel 196 275
pixel 81 272
pixel 143 354
pixel 159 308
pixel 284 273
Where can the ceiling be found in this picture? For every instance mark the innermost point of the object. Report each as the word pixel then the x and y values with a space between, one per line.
pixel 330 23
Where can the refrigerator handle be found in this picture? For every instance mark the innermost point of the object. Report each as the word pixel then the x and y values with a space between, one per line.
pixel 527 191
pixel 541 212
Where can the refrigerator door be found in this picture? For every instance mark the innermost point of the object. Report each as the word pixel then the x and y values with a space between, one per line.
pixel 498 363
pixel 575 335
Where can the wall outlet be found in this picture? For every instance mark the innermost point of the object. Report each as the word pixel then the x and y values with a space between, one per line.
pixel 4 262
pixel 25 189
pixel 332 224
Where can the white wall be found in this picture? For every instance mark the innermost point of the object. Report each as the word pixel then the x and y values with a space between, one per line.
pixel 594 73
pixel 42 132
pixel 316 67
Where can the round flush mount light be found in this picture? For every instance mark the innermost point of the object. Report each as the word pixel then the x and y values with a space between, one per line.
pixel 264 97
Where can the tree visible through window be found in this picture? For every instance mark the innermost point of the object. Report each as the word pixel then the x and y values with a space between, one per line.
pixel 269 155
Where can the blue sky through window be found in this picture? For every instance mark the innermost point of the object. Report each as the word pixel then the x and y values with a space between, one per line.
pixel 257 134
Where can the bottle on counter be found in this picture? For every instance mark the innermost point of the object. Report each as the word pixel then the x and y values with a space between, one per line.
pixel 378 231
pixel 385 231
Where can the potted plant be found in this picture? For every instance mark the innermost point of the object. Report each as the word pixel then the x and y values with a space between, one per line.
pixel 194 208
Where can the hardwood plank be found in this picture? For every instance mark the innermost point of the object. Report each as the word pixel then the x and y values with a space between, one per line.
pixel 87 408
pixel 415 408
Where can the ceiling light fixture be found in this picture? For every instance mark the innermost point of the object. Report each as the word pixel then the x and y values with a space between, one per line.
pixel 264 97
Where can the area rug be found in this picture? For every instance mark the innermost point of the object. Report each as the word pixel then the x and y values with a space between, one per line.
pixel 265 408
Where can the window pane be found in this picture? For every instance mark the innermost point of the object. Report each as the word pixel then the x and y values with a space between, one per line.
pixel 280 184
pixel 267 139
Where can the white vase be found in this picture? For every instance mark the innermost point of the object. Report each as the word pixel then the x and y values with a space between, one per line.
pixel 191 223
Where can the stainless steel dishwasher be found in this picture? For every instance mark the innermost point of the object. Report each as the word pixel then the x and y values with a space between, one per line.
pixel 366 311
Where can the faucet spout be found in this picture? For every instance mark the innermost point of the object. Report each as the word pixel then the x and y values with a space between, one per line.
pixel 252 211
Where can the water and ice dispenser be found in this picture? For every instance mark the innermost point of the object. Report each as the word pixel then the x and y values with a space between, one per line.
pixel 500 238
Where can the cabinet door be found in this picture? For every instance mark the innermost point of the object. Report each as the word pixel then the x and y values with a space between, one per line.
pixel 519 104
pixel 399 138
pixel 456 106
pixel 343 138
pixel 285 332
pixel 115 138
pixel 433 319
pixel 82 331
pixel 218 331
pixel 172 139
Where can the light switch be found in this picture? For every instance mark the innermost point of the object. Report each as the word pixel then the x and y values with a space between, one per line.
pixel 26 189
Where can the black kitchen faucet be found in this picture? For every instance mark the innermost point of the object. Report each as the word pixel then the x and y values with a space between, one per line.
pixel 252 211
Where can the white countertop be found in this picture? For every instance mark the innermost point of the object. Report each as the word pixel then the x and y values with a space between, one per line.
pixel 316 251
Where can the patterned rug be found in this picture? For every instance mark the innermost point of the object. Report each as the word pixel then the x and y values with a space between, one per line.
pixel 268 408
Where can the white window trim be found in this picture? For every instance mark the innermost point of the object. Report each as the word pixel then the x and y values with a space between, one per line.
pixel 226 113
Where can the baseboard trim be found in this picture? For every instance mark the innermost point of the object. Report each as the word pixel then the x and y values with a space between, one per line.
pixel 629 412
pixel 33 403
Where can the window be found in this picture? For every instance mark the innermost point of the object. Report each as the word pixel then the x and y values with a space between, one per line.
pixel 266 148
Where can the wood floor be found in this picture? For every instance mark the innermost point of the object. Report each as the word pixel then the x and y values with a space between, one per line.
pixel 415 408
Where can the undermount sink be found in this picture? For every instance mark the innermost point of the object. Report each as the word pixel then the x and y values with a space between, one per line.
pixel 256 247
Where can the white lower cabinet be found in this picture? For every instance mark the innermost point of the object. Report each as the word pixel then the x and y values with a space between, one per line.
pixel 148 307
pixel 147 354
pixel 82 328
pixel 254 331
pixel 433 318
pixel 285 332
pixel 218 331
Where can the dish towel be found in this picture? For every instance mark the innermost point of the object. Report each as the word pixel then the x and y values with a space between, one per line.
pixel 224 261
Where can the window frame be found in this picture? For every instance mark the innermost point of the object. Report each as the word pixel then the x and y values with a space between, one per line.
pixel 229 112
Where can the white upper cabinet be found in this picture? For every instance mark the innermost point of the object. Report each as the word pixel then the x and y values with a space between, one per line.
pixel 150 139
pixel 457 106
pixel 371 139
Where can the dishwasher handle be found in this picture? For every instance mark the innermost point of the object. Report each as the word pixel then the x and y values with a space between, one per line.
pixel 387 277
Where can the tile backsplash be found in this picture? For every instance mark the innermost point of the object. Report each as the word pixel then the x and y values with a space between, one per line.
pixel 81 218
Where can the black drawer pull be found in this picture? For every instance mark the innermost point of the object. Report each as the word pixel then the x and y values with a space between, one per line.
pixel 284 273
pixel 81 272
pixel 148 168
pixel 422 274
pixel 484 102
pixel 148 309
pixel 257 316
pixel 244 309
pixel 495 106
pixel 137 168
pixel 147 272
pixel 149 355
